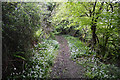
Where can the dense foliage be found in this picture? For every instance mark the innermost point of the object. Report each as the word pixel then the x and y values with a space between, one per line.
pixel 24 25
pixel 28 37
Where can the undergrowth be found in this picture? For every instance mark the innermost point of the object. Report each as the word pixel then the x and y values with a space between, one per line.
pixel 77 47
pixel 93 67
pixel 38 66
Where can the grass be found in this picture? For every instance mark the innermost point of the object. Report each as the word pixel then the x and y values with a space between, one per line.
pixel 77 47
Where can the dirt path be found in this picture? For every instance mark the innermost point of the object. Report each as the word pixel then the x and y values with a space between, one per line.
pixel 64 67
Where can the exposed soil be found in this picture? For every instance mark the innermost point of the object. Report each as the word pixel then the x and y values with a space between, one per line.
pixel 64 67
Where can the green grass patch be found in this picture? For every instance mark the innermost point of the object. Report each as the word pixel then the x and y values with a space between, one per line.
pixel 77 47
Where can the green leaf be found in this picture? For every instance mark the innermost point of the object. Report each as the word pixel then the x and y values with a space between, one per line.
pixel 19 57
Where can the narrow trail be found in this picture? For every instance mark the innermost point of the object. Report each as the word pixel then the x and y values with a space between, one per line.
pixel 64 67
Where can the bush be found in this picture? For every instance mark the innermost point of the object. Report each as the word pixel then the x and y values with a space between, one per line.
pixel 39 65
pixel 20 21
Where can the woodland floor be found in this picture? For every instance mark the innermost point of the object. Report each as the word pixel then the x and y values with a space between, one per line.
pixel 63 66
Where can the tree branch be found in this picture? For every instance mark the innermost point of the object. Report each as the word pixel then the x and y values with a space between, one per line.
pixel 111 6
pixel 94 7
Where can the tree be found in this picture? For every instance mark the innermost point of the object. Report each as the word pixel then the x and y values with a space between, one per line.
pixel 20 21
pixel 98 21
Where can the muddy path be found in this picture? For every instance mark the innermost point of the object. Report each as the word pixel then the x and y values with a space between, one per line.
pixel 64 67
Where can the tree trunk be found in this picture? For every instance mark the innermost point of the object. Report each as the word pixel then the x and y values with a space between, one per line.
pixel 94 25
pixel 93 28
